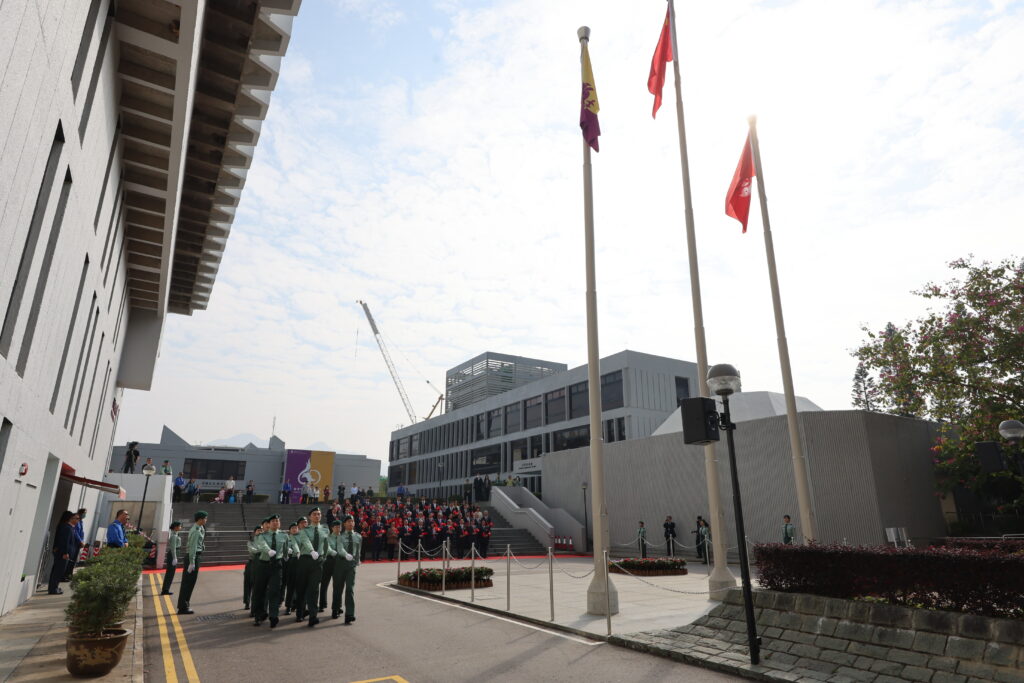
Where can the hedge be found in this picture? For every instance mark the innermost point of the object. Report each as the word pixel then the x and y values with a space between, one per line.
pixel 987 582
pixel 1007 546
pixel 454 574
pixel 650 563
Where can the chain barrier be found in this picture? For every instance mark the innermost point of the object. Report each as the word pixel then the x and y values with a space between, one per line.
pixel 516 560
pixel 572 576
pixel 654 585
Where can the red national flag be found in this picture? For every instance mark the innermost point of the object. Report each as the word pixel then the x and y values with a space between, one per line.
pixel 737 201
pixel 659 65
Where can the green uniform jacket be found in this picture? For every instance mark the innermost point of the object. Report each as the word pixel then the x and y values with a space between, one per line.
pixel 173 543
pixel 251 547
pixel 196 535
pixel 293 545
pixel 282 544
pixel 339 544
pixel 306 537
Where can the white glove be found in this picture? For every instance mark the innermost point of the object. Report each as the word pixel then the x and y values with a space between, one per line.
pixel 315 555
pixel 191 568
pixel 272 553
pixel 348 557
pixel 331 553
pixel 174 563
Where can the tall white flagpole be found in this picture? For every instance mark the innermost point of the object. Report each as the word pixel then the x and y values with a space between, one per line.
pixel 602 598
pixel 721 578
pixel 803 490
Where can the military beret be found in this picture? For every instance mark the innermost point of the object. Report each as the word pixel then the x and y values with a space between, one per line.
pixel 335 523
pixel 201 514
pixel 259 528
pixel 300 520
pixel 175 524
pixel 292 525
pixel 349 518
pixel 314 510
pixel 272 517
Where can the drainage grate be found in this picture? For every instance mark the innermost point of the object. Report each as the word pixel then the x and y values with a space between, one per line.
pixel 223 616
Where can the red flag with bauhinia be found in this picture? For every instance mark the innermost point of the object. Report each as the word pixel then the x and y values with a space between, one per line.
pixel 659 65
pixel 737 201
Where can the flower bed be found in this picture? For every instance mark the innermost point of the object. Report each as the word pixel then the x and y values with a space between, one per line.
pixel 1007 546
pixel 455 578
pixel 987 582
pixel 649 566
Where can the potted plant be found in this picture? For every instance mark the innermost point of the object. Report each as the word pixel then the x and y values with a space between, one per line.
pixel 101 594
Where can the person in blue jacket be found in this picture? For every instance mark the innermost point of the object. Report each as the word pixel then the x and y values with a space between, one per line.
pixel 116 537
pixel 65 548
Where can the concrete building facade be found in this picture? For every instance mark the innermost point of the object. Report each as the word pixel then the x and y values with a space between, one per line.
pixel 212 465
pixel 126 129
pixel 507 434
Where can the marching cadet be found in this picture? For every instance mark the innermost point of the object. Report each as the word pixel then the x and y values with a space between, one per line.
pixel 247 575
pixel 347 546
pixel 272 546
pixel 291 572
pixel 171 558
pixel 195 548
pixel 312 547
pixel 299 592
pixel 325 581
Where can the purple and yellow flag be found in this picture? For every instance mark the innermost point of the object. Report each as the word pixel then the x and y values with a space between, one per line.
pixel 589 106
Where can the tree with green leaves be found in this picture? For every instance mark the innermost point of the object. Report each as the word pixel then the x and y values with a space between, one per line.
pixel 961 365
pixel 865 392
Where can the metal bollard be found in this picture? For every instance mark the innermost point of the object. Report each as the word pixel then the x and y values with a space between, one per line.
pixel 607 594
pixel 399 560
pixel 551 581
pixel 419 562
pixel 472 572
pixel 508 578
pixel 444 565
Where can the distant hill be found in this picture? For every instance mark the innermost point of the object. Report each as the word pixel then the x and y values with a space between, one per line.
pixel 240 440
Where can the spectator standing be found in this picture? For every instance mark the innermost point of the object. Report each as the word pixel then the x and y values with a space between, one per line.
pixel 64 549
pixel 286 493
pixel 115 532
pixel 670 536
pixel 250 491
pixel 353 493
pixel 166 468
pixel 79 532
pixel 703 539
pixel 229 489
pixel 641 539
pixel 179 487
pixel 487 487
pixel 192 490
pixel 131 457
pixel 788 530
pixel 369 493
pixel 327 494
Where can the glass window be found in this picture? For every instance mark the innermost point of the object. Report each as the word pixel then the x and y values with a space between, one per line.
pixel 682 389
pixel 579 400
pixel 396 475
pixel 410 477
pixel 533 411
pixel 536 446
pixel 555 405
pixel 609 431
pixel 486 460
pixel 512 418
pixel 611 390
pixel 494 420
pixel 414 448
pixel 214 470
pixel 517 449
pixel 403 448
pixel 571 438
pixel 481 427
pixel 620 428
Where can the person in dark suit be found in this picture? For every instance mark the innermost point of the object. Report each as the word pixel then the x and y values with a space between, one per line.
pixel 65 549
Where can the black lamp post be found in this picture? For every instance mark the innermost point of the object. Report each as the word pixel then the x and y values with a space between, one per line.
pixel 724 380
pixel 586 524
pixel 148 470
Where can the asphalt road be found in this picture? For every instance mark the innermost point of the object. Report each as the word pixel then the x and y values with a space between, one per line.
pixel 396 637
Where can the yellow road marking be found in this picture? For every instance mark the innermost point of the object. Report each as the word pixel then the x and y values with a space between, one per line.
pixel 186 655
pixel 165 642
pixel 394 679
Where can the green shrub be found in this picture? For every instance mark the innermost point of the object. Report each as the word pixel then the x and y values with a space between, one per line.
pixel 103 589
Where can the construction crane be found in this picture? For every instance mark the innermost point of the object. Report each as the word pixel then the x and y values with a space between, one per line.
pixel 391 365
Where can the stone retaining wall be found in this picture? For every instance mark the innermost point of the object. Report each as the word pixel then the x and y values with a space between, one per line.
pixel 809 638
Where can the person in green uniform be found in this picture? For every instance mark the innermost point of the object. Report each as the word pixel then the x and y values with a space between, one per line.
pixel 348 546
pixel 292 575
pixel 194 551
pixel 247 575
pixel 312 549
pixel 328 574
pixel 171 558
pixel 272 546
pixel 788 530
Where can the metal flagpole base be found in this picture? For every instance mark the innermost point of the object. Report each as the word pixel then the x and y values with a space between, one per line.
pixel 602 597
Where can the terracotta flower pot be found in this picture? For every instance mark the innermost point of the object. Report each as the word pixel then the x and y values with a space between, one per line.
pixel 96 655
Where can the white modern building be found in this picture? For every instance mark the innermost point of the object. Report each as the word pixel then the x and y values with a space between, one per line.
pixel 126 130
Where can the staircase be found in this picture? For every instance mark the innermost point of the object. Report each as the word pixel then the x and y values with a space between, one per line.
pixel 521 541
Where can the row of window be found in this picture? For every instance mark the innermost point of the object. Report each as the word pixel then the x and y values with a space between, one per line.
pixel 214 469
pixel 549 408
pixel 494 459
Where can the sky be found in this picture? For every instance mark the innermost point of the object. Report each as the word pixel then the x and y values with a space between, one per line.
pixel 425 156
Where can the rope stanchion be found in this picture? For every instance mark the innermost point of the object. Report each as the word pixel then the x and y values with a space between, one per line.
pixel 508 578
pixel 551 581
pixel 419 562
pixel 399 562
pixel 654 585
pixel 444 565
pixel 472 572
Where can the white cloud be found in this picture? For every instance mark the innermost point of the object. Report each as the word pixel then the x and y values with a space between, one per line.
pixel 891 138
